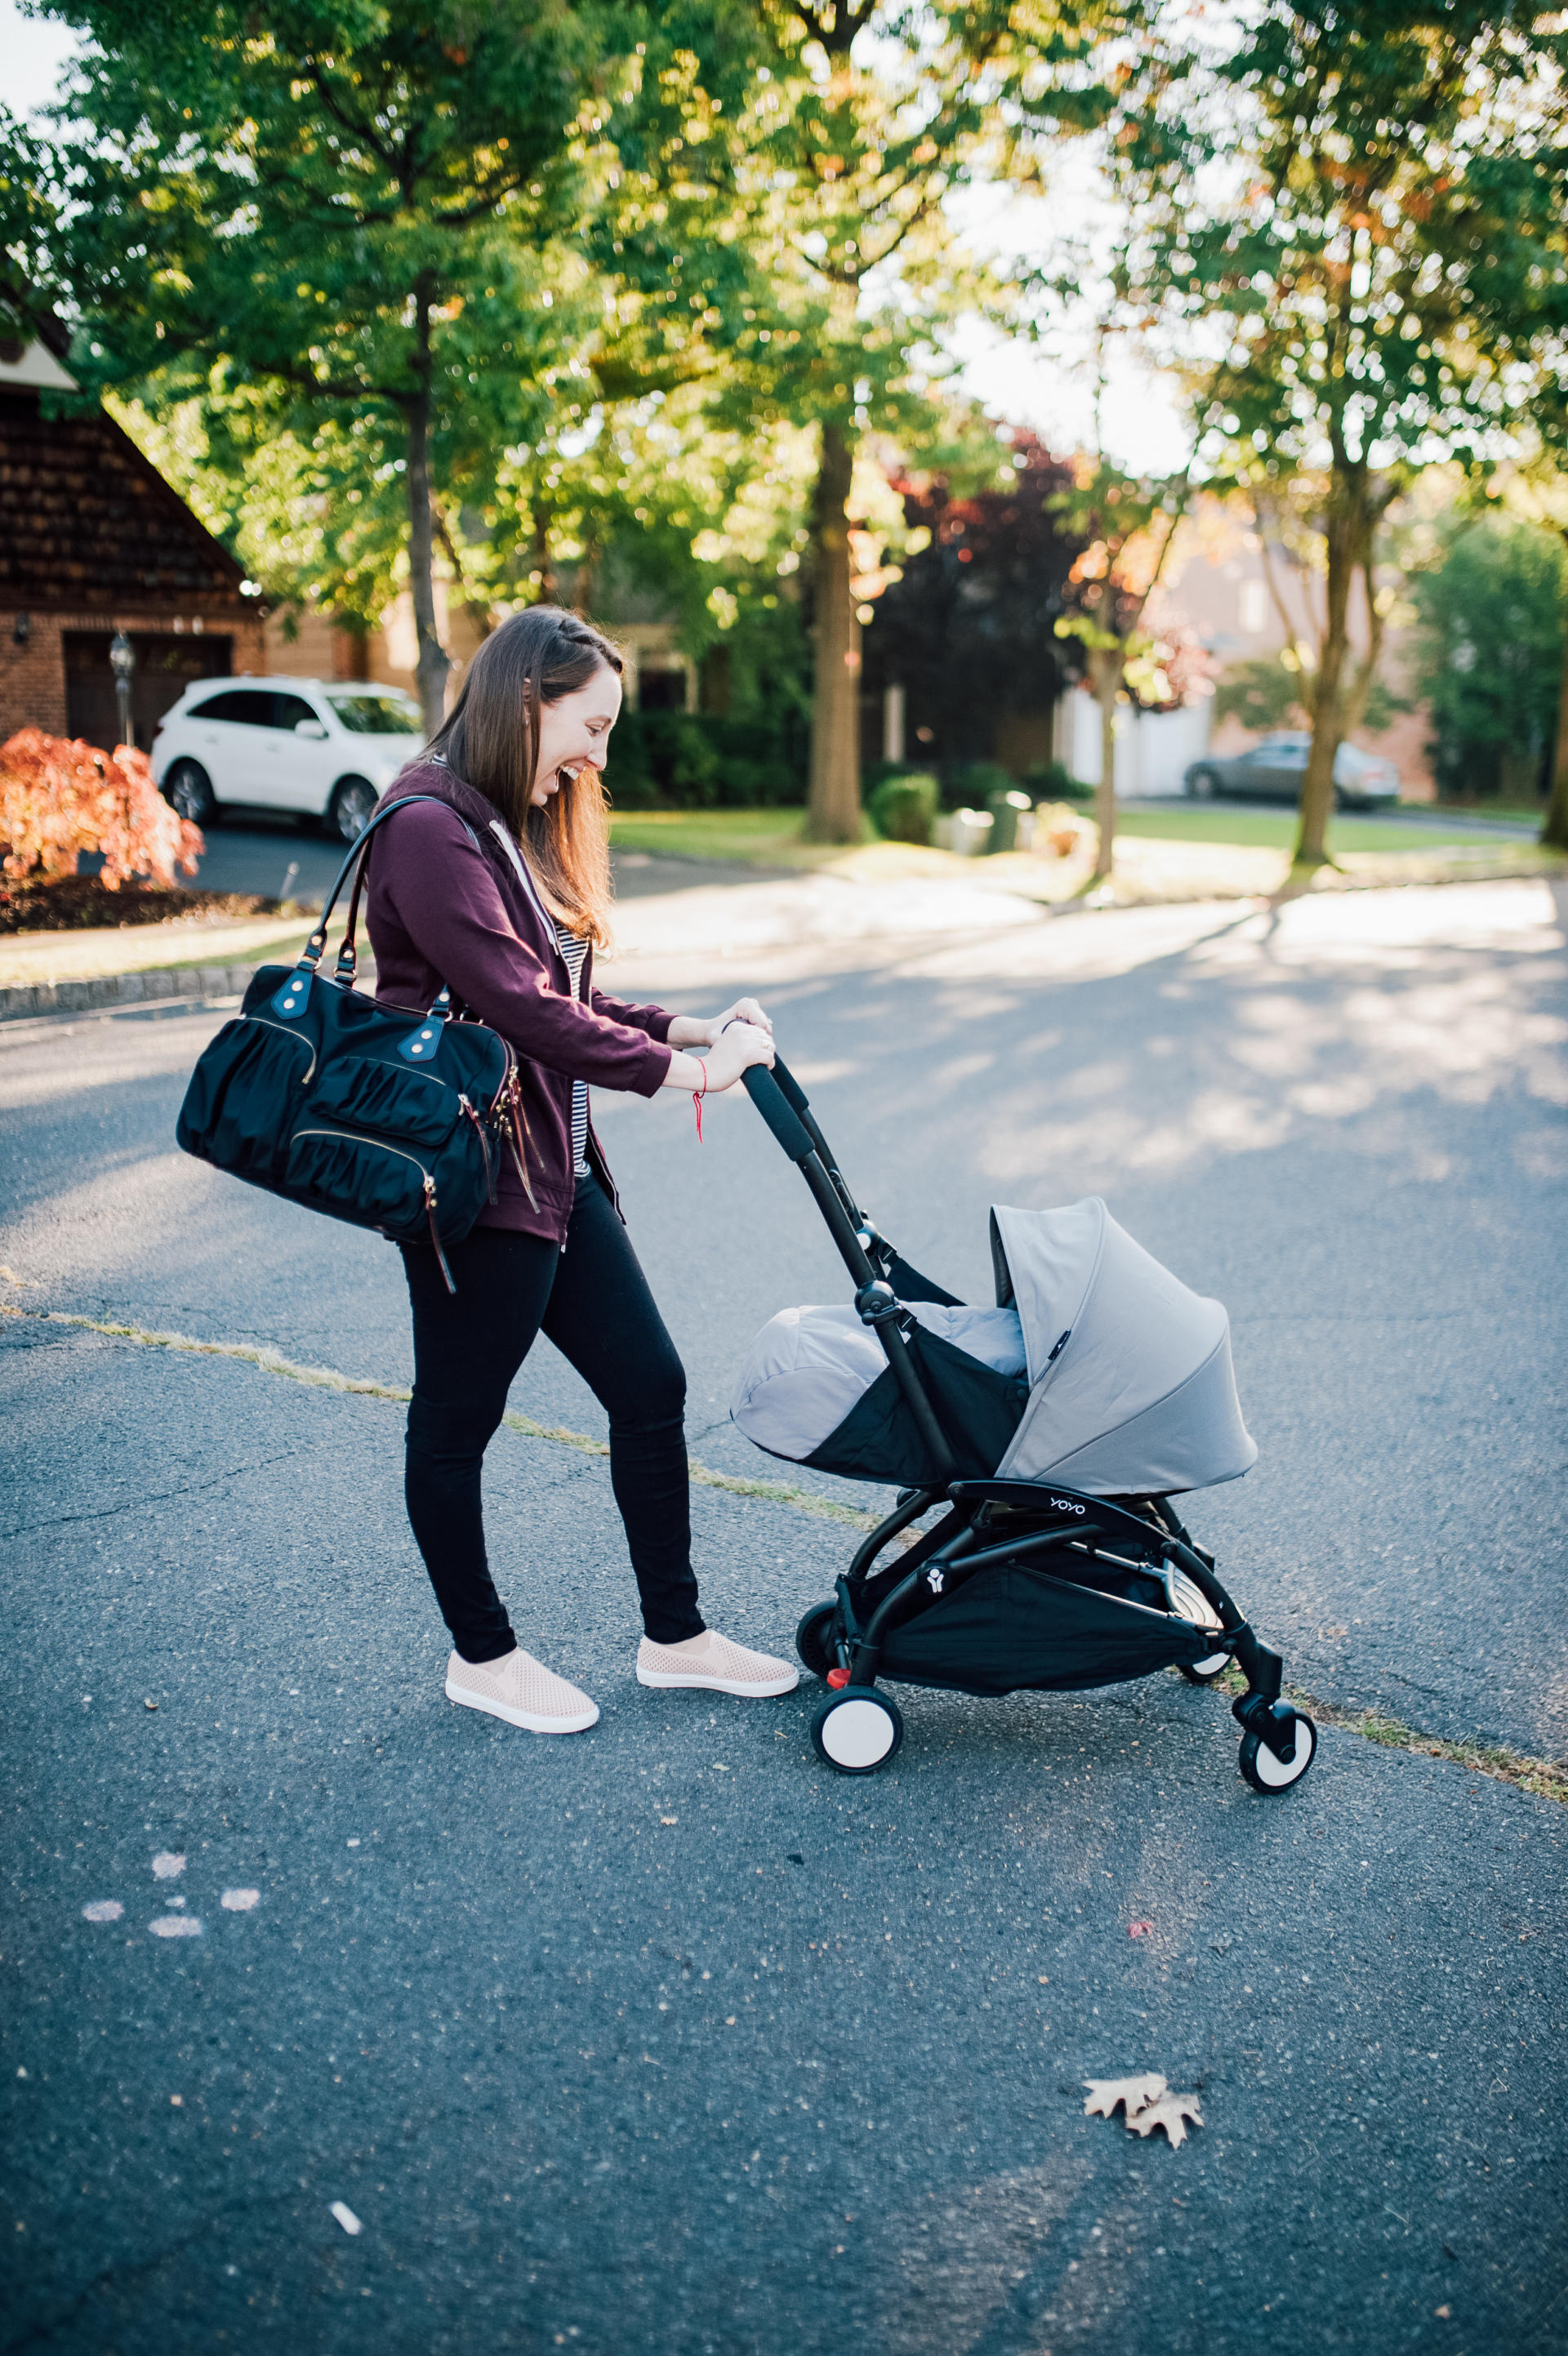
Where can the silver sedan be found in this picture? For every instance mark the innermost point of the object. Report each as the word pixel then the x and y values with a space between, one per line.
pixel 1272 770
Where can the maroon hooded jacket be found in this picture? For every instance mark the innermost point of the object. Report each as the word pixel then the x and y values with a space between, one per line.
pixel 446 902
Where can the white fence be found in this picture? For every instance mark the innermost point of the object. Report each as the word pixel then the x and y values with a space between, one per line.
pixel 1153 748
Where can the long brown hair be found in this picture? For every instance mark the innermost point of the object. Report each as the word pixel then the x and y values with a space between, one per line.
pixel 490 740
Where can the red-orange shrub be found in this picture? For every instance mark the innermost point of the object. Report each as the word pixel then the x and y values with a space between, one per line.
pixel 59 797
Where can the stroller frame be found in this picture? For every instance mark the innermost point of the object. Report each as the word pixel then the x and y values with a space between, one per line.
pixel 844 1642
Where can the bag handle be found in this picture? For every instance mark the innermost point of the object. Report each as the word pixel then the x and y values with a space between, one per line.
pixel 357 861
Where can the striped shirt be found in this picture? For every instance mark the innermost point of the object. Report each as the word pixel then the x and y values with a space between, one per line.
pixel 573 948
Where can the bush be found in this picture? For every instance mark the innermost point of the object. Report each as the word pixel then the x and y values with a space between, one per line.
pixel 1487 653
pixel 60 797
pixel 903 807
pixel 1049 781
pixel 973 784
pixel 692 760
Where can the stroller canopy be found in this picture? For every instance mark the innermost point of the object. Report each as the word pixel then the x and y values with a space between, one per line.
pixel 1131 1384
pixel 1098 1368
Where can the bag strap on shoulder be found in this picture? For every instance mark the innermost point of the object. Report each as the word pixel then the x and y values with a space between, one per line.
pixel 357 862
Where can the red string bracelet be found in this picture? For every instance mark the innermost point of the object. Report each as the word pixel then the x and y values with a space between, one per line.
pixel 698 1094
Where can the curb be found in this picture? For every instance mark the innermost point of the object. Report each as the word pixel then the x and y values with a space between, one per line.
pixel 35 998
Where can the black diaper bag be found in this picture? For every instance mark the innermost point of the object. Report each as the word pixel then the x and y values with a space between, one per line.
pixel 388 1120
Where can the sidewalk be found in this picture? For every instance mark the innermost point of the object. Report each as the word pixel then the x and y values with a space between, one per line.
pixel 71 972
pixel 878 892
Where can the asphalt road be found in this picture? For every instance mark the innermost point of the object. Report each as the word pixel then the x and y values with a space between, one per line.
pixel 254 853
pixel 662 2039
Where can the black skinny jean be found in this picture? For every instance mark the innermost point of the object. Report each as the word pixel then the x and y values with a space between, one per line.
pixel 593 1302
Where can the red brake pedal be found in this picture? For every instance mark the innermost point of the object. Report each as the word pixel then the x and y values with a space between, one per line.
pixel 837 1678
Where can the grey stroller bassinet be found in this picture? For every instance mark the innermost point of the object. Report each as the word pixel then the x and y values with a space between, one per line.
pixel 1098 1368
pixel 1051 1431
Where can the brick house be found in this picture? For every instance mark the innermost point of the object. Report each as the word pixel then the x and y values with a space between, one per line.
pixel 92 541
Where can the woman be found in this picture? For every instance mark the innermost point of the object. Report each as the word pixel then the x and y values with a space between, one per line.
pixel 498 886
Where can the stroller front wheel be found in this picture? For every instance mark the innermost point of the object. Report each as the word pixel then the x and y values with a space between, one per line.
pixel 857 1730
pixel 1267 1774
pixel 813 1638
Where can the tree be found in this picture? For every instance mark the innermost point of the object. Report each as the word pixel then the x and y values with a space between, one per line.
pixel 337 206
pixel 878 110
pixel 1365 203
pixel 366 243
pixel 1537 493
pixel 967 627
pixel 1489 650
pixel 1128 523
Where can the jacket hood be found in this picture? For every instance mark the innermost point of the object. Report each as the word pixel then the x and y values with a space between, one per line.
pixel 443 785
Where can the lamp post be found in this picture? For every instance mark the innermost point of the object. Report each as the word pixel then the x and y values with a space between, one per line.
pixel 122 663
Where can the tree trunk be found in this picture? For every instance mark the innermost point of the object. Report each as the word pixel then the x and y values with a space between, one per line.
pixel 1105 667
pixel 430 671
pixel 587 582
pixel 1555 829
pixel 1347 537
pixel 542 578
pixel 835 812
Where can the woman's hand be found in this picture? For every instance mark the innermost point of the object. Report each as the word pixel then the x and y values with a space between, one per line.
pixel 737 1048
pixel 697 1031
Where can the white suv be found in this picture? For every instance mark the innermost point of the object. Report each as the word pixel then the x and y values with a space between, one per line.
pixel 326 751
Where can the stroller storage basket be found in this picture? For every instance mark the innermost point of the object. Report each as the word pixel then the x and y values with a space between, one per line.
pixel 1049 1432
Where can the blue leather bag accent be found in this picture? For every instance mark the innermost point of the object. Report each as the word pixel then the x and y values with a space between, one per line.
pixel 368 1114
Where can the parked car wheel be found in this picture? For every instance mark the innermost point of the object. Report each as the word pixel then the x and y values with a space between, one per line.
pixel 1203 785
pixel 188 788
pixel 348 811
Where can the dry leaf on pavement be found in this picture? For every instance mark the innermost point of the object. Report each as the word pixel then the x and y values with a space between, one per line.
pixel 1105 2094
pixel 1170 2112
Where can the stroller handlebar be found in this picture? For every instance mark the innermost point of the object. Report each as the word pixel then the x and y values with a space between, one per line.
pixel 789 1087
pixel 773 1104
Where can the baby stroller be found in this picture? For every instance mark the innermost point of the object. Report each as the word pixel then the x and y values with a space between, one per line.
pixel 1053 1431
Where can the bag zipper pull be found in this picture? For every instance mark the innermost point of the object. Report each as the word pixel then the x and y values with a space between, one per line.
pixel 484 1146
pixel 434 1237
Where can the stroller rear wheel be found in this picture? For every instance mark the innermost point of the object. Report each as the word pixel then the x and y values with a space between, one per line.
pixel 813 1638
pixel 857 1730
pixel 1205 1672
pixel 1267 1774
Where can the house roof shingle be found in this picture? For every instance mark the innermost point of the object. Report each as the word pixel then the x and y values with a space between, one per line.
pixel 87 524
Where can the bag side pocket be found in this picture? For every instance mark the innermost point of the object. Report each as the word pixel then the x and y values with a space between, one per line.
pixel 236 1112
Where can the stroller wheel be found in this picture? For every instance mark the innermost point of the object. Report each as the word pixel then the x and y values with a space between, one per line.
pixel 1204 1671
pixel 857 1730
pixel 813 1636
pixel 1265 1772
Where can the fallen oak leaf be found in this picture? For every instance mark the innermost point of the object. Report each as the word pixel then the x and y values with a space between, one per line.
pixel 1105 2093
pixel 1139 1929
pixel 1170 2112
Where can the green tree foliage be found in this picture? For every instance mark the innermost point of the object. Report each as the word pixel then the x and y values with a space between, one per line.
pixel 1262 694
pixel 1487 652
pixel 363 240
pixel 336 207
pixel 1364 202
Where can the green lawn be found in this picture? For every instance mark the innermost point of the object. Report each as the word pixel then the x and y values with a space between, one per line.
pixel 770 836
pixel 774 837
pixel 1275 830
